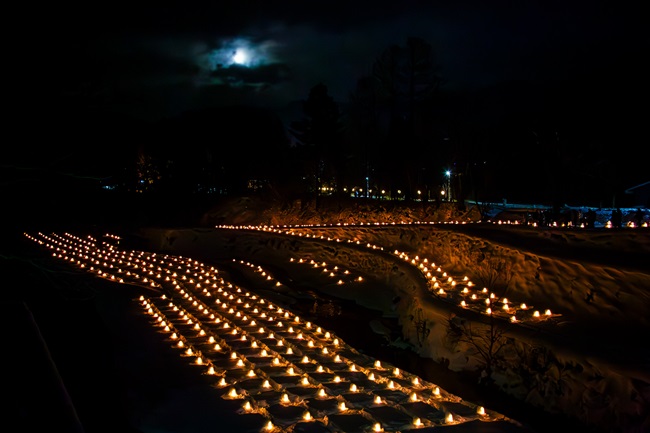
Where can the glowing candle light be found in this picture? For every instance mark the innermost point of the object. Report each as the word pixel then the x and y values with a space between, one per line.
pixel 321 393
pixel 285 398
pixel 266 384
pixel 396 372
pixel 449 418
pixel 416 381
pixel 480 410
pixel 305 381
pixel 353 388
pixel 436 391
pixel 391 385
pixel 377 400
pixel 377 427
pixel 233 392
pixel 378 364
pixel 222 382
pixel 342 407
pixel 417 422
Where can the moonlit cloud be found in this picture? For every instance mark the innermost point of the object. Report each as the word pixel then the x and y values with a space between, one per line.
pixel 240 61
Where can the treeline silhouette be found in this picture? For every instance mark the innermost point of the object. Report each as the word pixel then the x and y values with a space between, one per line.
pixel 402 127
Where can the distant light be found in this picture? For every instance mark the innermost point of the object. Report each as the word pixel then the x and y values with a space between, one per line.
pixel 448 173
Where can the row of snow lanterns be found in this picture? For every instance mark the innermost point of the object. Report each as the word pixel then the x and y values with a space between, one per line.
pixel 285 398
pixel 555 224
pixel 413 397
pixel 186 295
pixel 482 295
pixel 506 305
pixel 82 256
pixel 353 388
pixel 66 249
pixel 331 272
pixel 432 279
pixel 118 263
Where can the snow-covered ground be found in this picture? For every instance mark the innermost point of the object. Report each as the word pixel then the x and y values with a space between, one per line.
pixel 281 371
pixel 568 305
pixel 579 354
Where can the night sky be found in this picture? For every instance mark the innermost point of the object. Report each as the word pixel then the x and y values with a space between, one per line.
pixel 566 80
pixel 160 60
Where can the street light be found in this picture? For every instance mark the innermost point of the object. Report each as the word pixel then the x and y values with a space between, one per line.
pixel 448 184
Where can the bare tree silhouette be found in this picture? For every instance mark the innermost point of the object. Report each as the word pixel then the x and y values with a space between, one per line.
pixel 488 338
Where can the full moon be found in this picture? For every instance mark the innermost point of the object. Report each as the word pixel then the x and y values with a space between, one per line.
pixel 239 57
